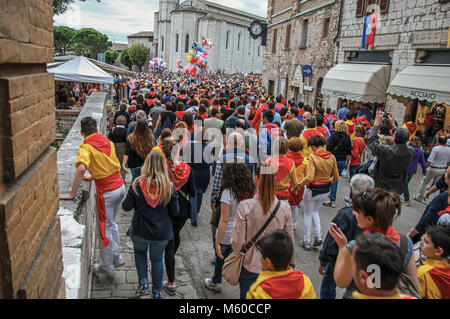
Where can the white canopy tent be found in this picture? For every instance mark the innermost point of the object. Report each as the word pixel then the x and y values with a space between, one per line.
pixel 423 82
pixel 82 70
pixel 357 82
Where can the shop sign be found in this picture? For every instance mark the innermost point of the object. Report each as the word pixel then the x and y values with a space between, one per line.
pixel 340 94
pixel 308 88
pixel 422 95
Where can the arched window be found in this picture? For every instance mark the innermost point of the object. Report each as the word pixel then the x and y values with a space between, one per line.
pixel 177 39
pixel 187 44
pixel 162 44
pixel 239 42
pixel 227 39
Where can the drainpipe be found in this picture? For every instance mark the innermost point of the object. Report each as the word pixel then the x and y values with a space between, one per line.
pixel 339 30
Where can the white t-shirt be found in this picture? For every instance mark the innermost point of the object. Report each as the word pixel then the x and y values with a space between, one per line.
pixel 228 198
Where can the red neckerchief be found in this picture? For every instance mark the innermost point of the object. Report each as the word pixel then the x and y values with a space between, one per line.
pixel 322 153
pixel 99 142
pixel 204 116
pixel 180 114
pixel 284 165
pixel 310 132
pixel 153 198
pixel 411 126
pixel 297 158
pixel 390 234
pixel 180 175
pixel 445 211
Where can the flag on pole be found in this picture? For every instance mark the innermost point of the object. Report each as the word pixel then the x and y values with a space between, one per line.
pixel 370 26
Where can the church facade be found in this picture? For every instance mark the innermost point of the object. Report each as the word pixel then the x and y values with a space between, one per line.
pixel 177 25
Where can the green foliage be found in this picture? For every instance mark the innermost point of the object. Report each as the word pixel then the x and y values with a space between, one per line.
pixel 60 6
pixel 111 56
pixel 125 58
pixel 89 42
pixel 138 54
pixel 63 39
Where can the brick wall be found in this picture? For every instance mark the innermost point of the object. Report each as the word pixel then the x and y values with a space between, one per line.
pixel 30 238
pixel 64 123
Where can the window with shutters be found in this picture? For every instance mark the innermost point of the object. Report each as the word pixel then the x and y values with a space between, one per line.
pixel 186 44
pixel 365 7
pixel 287 44
pixel 326 27
pixel 274 41
pixel 304 34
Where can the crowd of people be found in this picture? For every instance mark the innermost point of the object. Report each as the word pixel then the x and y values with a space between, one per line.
pixel 264 156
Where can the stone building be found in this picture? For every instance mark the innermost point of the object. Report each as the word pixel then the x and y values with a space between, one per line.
pixel 301 35
pixel 178 25
pixel 147 39
pixel 409 67
pixel 30 233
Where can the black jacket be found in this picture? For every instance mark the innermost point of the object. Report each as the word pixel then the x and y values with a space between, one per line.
pixel 340 145
pixel 346 221
pixel 148 222
pixel 390 170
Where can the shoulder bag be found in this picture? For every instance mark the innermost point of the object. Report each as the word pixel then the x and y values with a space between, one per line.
pixel 232 267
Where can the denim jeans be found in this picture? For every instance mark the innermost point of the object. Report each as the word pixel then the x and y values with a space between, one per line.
pixel 334 186
pixel 226 250
pixel 328 287
pixel 352 170
pixel 196 204
pixel 156 251
pixel 406 194
pixel 246 280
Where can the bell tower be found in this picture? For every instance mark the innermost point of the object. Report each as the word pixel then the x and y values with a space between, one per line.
pixel 163 28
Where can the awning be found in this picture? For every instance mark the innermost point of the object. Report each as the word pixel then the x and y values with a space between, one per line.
pixel 357 82
pixel 423 82
pixel 81 69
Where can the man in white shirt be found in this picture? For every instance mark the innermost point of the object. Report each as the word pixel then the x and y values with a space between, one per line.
pixel 437 164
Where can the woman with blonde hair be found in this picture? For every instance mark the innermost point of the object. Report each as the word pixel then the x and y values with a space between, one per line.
pixel 251 216
pixel 340 145
pixel 139 144
pixel 154 201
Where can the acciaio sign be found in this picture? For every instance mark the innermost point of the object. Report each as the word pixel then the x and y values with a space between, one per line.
pixel 422 95
pixel 339 94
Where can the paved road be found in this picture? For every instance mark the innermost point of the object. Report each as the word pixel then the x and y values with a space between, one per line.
pixel 193 261
pixel 196 244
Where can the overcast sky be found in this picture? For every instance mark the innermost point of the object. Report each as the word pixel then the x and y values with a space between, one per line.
pixel 119 18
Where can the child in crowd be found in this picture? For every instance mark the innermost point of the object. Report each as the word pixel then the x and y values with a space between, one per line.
pixel 434 274
pixel 377 267
pixel 277 280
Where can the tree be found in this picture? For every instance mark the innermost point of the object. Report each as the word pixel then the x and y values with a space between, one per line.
pixel 111 56
pixel 89 42
pixel 63 39
pixel 125 59
pixel 138 54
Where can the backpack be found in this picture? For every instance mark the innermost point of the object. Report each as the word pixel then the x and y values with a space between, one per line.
pixel 167 124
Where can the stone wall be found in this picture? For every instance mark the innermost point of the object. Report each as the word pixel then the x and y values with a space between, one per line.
pixel 78 216
pixel 281 66
pixel 64 122
pixel 408 26
pixel 30 238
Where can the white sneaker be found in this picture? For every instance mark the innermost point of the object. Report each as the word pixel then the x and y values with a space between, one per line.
pixel 212 286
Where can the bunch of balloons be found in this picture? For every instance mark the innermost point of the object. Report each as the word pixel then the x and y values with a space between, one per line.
pixel 197 58
pixel 157 66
